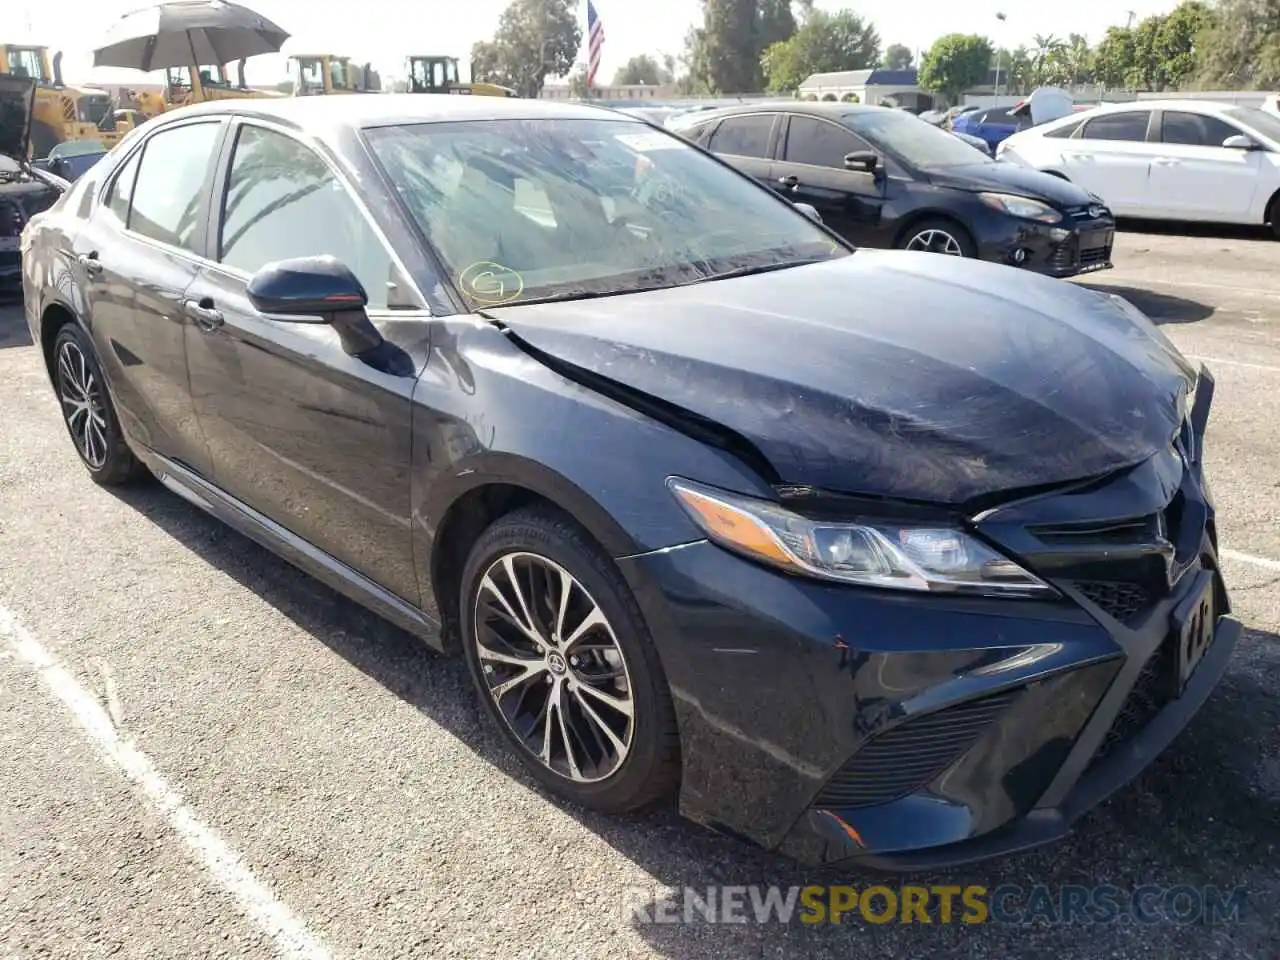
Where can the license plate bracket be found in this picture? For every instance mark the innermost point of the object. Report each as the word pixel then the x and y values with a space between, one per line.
pixel 1194 622
pixel 10 244
pixel 1097 239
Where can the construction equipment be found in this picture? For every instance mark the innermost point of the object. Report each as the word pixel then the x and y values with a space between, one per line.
pixel 328 73
pixel 187 85
pixel 432 74
pixel 61 112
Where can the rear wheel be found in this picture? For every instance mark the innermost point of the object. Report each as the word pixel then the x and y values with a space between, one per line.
pixel 87 411
pixel 1273 215
pixel 563 663
pixel 939 236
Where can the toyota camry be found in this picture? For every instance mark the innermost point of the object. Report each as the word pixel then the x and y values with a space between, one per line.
pixel 863 555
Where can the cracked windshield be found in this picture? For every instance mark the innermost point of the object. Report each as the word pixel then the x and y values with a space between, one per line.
pixel 524 211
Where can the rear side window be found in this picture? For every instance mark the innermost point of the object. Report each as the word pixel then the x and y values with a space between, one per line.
pixel 819 143
pixel 1194 129
pixel 121 190
pixel 171 183
pixel 1066 130
pixel 744 136
pixel 1130 125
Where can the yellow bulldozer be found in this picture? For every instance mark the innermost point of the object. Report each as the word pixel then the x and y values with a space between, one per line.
pixel 432 74
pixel 62 112
pixel 327 73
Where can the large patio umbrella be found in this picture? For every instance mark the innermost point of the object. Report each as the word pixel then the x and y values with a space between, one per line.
pixel 187 32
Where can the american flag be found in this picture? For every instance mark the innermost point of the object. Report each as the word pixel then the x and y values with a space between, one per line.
pixel 595 40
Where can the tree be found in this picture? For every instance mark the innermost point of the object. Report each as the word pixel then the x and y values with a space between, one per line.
pixel 723 55
pixel 825 43
pixel 1242 48
pixel 641 70
pixel 897 56
pixel 1176 42
pixel 535 39
pixel 955 63
pixel 1113 59
pixel 578 83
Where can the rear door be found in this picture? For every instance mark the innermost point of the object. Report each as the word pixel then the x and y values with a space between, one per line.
pixel 1110 156
pixel 811 170
pixel 1193 176
pixel 134 261
pixel 746 141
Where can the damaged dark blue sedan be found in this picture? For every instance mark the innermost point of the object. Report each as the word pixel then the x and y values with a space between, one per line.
pixel 885 557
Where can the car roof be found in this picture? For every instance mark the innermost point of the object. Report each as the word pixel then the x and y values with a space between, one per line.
pixel 327 116
pixel 816 109
pixel 1189 106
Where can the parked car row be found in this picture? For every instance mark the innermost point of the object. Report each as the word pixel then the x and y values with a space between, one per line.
pixel 553 388
pixel 884 178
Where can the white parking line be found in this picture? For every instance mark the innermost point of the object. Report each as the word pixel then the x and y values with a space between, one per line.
pixel 290 933
pixel 1263 562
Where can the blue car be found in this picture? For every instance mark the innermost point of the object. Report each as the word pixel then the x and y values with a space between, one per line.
pixel 991 125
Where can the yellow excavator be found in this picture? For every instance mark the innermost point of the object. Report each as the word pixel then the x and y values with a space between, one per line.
pixel 432 74
pixel 327 73
pixel 187 85
pixel 62 112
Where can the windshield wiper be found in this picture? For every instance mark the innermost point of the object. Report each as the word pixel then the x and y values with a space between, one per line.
pixel 758 268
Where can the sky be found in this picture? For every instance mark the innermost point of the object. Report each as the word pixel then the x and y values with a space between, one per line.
pixel 384 32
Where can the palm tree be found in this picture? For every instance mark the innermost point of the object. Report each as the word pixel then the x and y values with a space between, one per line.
pixel 1048 47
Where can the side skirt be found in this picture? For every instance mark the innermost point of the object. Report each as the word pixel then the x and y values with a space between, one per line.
pixel 301 553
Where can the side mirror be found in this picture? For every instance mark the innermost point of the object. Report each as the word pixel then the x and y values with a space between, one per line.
pixel 863 161
pixel 317 290
pixel 810 211
pixel 1240 142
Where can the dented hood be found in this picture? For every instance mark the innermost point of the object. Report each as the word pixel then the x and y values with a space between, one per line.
pixel 892 374
pixel 17 101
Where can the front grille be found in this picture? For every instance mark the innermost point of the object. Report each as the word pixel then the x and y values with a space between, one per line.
pixel 904 758
pixel 1123 601
pixel 1150 695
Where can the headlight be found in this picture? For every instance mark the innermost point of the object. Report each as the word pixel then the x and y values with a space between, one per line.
pixel 1020 207
pixel 871 553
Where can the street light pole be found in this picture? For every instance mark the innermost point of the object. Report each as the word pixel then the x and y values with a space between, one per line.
pixel 999 55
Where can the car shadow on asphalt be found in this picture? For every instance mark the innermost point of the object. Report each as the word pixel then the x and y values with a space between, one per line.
pixel 1178 228
pixel 13 325
pixel 1160 307
pixel 1207 812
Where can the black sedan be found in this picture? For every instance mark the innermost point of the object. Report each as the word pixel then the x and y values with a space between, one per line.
pixel 866 554
pixel 884 178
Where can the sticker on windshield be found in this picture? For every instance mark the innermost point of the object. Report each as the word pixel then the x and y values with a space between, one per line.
pixel 644 142
pixel 490 283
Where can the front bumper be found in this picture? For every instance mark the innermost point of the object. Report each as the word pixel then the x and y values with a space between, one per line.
pixel 1081 244
pixel 910 732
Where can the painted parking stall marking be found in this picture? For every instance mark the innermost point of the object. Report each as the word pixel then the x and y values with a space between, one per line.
pixel 292 937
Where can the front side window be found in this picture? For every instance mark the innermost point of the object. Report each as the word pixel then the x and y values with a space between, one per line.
pixel 523 210
pixel 1130 125
pixel 171 181
pixel 911 141
pixel 1065 131
pixel 1194 129
pixel 743 136
pixel 819 143
pixel 283 201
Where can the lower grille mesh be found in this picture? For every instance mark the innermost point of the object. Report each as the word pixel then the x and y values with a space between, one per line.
pixel 1149 695
pixel 905 758
pixel 1124 601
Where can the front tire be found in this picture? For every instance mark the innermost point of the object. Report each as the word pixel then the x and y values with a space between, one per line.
pixel 939 235
pixel 87 412
pixel 564 665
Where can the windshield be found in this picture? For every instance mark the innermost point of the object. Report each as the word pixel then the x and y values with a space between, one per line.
pixel 543 209
pixel 27 62
pixel 911 140
pixel 1260 120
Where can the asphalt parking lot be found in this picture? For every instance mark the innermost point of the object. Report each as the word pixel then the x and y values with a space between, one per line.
pixel 203 753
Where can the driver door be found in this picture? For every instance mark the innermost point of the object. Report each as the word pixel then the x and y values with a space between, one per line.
pixel 811 170
pixel 313 439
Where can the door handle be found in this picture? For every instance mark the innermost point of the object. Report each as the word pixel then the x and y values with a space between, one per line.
pixel 90 263
pixel 789 182
pixel 203 313
pixel 1165 162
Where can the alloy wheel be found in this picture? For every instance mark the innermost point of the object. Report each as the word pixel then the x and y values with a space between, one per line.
pixel 553 667
pixel 82 404
pixel 935 241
